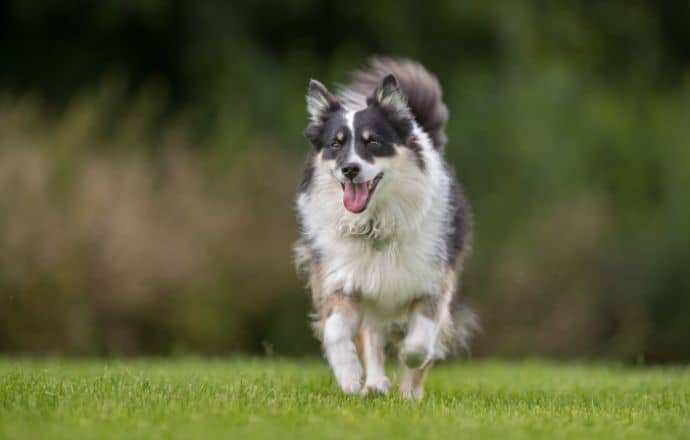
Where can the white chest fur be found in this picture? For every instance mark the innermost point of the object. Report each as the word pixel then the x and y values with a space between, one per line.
pixel 390 272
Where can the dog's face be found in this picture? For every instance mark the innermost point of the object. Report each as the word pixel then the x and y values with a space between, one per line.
pixel 360 148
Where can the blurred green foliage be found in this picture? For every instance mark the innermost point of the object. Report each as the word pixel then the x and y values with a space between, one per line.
pixel 149 152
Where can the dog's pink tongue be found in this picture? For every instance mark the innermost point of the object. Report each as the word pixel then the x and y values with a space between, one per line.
pixel 355 196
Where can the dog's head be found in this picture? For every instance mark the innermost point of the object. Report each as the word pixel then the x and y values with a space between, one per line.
pixel 364 148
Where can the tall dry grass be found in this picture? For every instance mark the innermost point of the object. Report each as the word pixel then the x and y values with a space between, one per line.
pixel 108 248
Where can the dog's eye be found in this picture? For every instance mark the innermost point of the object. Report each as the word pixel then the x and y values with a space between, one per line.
pixel 336 144
pixel 372 142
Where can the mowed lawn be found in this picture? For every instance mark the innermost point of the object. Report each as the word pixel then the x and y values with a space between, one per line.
pixel 244 398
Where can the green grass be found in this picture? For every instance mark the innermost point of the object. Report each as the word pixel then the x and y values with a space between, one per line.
pixel 282 399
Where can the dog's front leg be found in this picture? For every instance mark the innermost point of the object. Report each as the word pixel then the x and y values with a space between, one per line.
pixel 412 382
pixel 422 333
pixel 374 343
pixel 418 346
pixel 340 327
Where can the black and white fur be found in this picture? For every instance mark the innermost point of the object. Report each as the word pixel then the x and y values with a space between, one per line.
pixel 384 270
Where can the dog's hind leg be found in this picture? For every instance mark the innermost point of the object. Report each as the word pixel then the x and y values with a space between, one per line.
pixel 373 345
pixel 342 319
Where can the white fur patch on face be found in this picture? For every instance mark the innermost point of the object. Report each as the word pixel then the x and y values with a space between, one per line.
pixel 350 121
pixel 368 171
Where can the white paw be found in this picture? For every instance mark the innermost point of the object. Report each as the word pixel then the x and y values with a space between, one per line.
pixel 350 385
pixel 379 386
pixel 350 378
pixel 415 355
pixel 409 392
pixel 417 347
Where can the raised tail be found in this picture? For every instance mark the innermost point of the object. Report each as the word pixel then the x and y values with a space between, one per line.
pixel 420 87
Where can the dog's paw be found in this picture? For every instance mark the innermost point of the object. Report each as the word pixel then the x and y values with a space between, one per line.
pixel 418 346
pixel 411 392
pixel 377 387
pixel 350 378
pixel 350 385
pixel 414 355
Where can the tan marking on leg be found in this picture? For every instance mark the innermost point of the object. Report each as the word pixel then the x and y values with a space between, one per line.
pixel 326 303
pixel 412 383
pixel 332 303
pixel 359 344
pixel 374 343
pixel 316 287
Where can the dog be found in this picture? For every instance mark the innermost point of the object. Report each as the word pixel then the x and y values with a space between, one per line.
pixel 385 227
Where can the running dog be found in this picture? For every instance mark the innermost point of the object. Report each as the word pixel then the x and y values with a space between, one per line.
pixel 385 227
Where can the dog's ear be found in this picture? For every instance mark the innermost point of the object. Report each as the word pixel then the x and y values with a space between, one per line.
pixel 389 96
pixel 320 101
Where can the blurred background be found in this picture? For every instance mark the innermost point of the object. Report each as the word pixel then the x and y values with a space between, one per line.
pixel 150 151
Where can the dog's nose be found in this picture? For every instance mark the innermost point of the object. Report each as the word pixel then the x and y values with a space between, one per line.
pixel 351 170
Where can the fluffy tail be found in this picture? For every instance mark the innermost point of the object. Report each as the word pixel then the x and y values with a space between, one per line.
pixel 421 88
pixel 465 326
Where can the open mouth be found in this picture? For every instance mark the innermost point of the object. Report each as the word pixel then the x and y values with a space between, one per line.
pixel 356 195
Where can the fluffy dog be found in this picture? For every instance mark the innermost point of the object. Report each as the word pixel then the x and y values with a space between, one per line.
pixel 385 227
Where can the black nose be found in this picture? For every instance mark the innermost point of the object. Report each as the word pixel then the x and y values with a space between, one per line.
pixel 351 170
